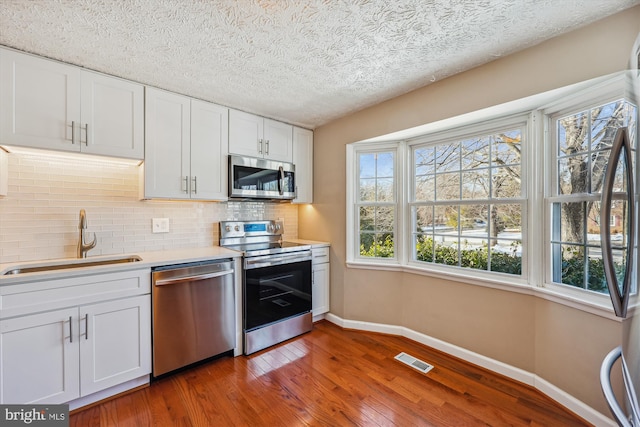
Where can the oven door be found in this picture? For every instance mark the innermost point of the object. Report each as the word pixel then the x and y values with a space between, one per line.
pixel 275 291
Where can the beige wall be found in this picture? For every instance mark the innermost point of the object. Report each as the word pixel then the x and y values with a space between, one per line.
pixel 560 344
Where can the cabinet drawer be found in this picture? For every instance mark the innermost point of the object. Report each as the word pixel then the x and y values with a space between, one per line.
pixel 33 297
pixel 320 255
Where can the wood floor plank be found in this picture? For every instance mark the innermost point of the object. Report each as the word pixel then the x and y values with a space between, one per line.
pixel 332 377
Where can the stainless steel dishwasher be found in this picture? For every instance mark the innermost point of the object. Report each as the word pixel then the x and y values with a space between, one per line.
pixel 193 313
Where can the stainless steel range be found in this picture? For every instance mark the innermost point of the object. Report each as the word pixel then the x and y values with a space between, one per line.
pixel 276 282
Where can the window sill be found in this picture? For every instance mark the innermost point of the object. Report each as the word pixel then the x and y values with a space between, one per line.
pixel 598 305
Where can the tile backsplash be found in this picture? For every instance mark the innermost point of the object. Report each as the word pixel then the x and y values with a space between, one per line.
pixel 39 215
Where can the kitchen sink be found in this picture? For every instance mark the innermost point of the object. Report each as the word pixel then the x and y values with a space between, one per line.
pixel 67 264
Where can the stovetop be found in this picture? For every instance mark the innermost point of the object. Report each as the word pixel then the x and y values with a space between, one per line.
pixel 256 238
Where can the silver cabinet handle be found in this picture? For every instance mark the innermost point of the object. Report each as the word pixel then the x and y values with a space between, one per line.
pixel 267 147
pixel 70 330
pixel 179 280
pixel 260 146
pixel 186 184
pixel 86 326
pixel 195 184
pixel 619 299
pixel 73 132
pixel 86 134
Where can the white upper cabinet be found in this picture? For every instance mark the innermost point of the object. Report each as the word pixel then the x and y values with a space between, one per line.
pixel 303 161
pixel 255 136
pixel 209 142
pixel 112 116
pixel 167 148
pixel 185 150
pixel 50 105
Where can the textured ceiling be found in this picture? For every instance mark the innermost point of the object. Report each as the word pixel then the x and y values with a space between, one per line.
pixel 306 62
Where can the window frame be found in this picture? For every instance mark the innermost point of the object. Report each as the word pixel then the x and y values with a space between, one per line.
pixel 457 135
pixel 354 204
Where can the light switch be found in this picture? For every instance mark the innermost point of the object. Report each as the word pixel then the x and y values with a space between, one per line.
pixel 160 225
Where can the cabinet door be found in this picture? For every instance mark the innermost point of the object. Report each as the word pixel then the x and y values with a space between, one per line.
pixel 320 289
pixel 115 342
pixel 39 358
pixel 245 134
pixel 39 102
pixel 303 161
pixel 209 144
pixel 112 116
pixel 278 141
pixel 167 141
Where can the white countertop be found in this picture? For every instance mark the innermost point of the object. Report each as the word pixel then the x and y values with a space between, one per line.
pixel 148 260
pixel 309 242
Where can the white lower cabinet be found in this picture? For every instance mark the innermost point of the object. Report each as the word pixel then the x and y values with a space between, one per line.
pixel 320 282
pixel 61 355
pixel 115 343
pixel 39 358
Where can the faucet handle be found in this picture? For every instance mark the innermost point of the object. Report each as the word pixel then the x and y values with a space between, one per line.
pixel 91 244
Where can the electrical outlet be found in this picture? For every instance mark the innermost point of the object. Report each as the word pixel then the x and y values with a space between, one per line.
pixel 160 225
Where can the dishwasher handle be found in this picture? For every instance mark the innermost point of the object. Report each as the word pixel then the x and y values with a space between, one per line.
pixel 193 278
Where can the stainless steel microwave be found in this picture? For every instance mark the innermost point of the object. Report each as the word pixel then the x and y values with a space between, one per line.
pixel 253 178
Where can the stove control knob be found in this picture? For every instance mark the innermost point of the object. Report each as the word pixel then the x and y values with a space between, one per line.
pixel 270 228
pixel 278 226
pixel 237 228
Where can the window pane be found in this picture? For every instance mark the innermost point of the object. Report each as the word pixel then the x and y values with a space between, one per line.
pixel 506 256
pixel 424 219
pixel 474 255
pixel 475 184
pixel 573 265
pixel 446 219
pixel 425 188
pixel 448 186
pixel 596 280
pixel 367 218
pixel 599 160
pixel 475 153
pixel 367 164
pixel 424 248
pixel 474 221
pixel 385 190
pixel 385 218
pixel 368 190
pixel 571 138
pixel 448 157
pixel 619 224
pixel 605 121
pixel 571 222
pixel 507 148
pixel 424 160
pixel 446 250
pixel 506 221
pixel 384 165
pixel 367 244
pixel 572 174
pixel 505 182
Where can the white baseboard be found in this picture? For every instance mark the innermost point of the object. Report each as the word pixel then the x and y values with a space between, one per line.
pixel 563 398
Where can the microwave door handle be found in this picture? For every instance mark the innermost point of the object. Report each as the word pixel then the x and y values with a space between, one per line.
pixel 281 180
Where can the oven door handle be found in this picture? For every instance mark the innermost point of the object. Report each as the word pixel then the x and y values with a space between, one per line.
pixel 270 260
pixel 192 278
pixel 281 180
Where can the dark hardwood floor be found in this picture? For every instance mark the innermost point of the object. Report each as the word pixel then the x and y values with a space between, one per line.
pixel 332 377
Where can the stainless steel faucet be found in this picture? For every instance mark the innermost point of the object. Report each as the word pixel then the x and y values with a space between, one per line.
pixel 83 247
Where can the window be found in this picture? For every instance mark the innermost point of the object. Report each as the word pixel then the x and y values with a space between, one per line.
pixel 508 199
pixel 581 147
pixel 468 201
pixel 376 203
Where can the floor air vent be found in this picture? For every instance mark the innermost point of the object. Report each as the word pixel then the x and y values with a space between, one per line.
pixel 414 363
